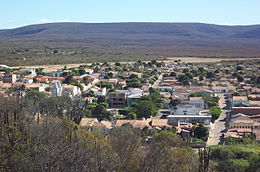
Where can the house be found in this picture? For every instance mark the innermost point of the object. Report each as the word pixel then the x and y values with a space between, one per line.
pixel 246 110
pixel 103 126
pixel 52 79
pixel 220 89
pixel 181 93
pixel 133 98
pixel 164 88
pixel 254 96
pixel 71 90
pixel 139 75
pixel 255 90
pixel 65 90
pixel 27 80
pixel 197 101
pixel 9 78
pixel 185 109
pixel 186 119
pixel 117 99
pixel 238 132
pixel 5 86
pixel 56 73
pixel 29 70
pixel 161 123
pixel 99 91
pixel 205 91
pixel 133 95
pixel 122 98
pixel 185 113
pixel 236 100
pixel 135 123
pixel 241 122
pixel 88 122
pixel 89 71
pixel 38 87
pixel 112 80
pixel 254 103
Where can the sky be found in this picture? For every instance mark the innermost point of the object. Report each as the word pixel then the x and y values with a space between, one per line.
pixel 17 13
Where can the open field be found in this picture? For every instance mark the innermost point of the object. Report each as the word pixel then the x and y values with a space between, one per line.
pixel 183 60
pixel 210 60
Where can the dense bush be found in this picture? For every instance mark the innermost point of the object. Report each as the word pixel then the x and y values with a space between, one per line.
pixel 215 112
pixel 236 157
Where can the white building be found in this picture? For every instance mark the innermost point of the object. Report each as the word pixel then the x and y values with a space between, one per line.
pixel 4 67
pixel 30 70
pixel 71 91
pixel 218 89
pixel 27 80
pixel 57 73
pixel 185 113
pixel 65 90
pixel 57 89
pixel 99 91
pixel 186 119
pixel 197 101
pixel 38 87
pixel 185 109
pixel 89 71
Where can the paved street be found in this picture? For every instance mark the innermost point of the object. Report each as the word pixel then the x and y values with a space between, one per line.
pixel 157 82
pixel 218 128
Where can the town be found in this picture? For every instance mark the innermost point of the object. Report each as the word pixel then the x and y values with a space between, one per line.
pixel 205 103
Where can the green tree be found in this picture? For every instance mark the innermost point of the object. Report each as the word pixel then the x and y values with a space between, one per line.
pixel 210 75
pixel 68 79
pixel 175 102
pixel 101 113
pixel 184 79
pixel 131 115
pixel 118 64
pixel 201 132
pixel 81 71
pixel 125 111
pixel 145 109
pixel 254 163
pixel 258 80
pixel 189 75
pixel 210 104
pixel 65 74
pixel 240 78
pixel 173 74
pixel 215 112
pixel 85 80
pixel 101 99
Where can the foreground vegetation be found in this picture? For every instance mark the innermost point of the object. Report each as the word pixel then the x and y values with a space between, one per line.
pixel 54 142
pixel 42 134
pixel 237 157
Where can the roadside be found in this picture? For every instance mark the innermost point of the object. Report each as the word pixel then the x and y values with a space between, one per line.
pixel 219 127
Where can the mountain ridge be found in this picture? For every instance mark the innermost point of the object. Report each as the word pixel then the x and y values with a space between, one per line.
pixel 179 29
pixel 80 42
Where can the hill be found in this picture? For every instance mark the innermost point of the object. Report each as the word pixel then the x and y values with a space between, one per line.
pixel 88 42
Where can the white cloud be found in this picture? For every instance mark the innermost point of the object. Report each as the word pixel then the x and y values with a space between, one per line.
pixel 43 20
pixel 227 24
pixel 10 20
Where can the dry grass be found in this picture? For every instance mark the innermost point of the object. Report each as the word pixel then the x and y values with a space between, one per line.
pixel 183 59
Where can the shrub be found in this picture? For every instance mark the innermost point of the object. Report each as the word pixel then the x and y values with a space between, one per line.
pixel 215 112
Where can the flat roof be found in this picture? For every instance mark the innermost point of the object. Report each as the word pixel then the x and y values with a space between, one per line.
pixel 188 116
